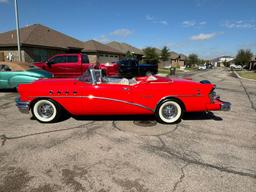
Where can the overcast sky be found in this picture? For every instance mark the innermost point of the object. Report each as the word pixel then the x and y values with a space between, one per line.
pixel 208 28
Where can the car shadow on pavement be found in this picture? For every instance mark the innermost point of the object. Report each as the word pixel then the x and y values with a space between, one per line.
pixel 186 116
pixel 201 116
pixel 116 117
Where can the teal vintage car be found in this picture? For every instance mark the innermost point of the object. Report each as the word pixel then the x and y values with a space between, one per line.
pixel 10 79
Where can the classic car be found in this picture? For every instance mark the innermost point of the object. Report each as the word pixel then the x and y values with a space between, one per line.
pixel 94 94
pixel 10 78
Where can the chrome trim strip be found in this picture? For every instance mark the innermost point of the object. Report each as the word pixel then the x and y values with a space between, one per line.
pixel 122 101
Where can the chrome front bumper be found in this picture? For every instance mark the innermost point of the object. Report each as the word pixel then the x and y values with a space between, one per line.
pixel 225 106
pixel 22 105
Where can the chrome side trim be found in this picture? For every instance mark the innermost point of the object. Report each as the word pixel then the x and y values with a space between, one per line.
pixel 22 106
pixel 101 98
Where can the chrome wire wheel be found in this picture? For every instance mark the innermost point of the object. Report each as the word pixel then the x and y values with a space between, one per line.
pixel 169 111
pixel 45 111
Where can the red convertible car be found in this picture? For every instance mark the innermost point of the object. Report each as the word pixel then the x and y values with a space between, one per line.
pixel 93 94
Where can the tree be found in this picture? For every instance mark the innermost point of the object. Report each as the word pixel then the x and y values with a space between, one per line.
pixel 150 56
pixel 128 54
pixel 165 54
pixel 243 57
pixel 192 60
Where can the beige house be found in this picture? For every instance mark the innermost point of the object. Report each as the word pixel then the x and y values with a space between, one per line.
pixel 37 42
pixel 177 59
pixel 174 60
pixel 101 53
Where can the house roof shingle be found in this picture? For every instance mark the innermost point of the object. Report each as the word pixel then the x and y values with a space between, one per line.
pixel 39 35
pixel 95 46
pixel 124 47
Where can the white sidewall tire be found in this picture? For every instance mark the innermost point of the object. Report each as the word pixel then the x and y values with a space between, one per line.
pixel 38 116
pixel 173 120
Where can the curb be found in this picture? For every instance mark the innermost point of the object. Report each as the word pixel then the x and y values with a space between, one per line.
pixel 238 76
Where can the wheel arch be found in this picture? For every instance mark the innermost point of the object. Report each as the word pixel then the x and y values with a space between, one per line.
pixel 171 98
pixel 32 103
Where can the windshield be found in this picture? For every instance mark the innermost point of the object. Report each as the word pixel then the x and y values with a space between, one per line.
pixel 86 77
pixel 92 76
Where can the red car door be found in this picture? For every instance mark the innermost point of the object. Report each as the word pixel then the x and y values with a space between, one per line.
pixel 64 66
pixel 107 99
pixel 73 65
pixel 54 64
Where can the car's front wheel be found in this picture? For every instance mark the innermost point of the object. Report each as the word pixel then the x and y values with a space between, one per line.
pixel 169 111
pixel 46 111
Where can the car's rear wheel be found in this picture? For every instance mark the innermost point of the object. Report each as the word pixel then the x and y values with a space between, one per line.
pixel 169 111
pixel 46 111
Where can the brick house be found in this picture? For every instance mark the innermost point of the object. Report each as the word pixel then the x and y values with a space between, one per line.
pixel 37 42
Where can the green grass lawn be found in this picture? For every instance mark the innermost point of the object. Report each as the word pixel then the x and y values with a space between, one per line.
pixel 167 71
pixel 164 71
pixel 247 74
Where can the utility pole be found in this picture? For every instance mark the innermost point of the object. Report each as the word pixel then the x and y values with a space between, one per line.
pixel 17 28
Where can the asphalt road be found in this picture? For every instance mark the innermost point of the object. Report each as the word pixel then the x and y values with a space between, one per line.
pixel 205 152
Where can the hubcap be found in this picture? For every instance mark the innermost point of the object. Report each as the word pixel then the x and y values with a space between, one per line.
pixel 169 111
pixel 45 110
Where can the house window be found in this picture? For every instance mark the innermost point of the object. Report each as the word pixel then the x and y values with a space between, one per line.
pixel 39 54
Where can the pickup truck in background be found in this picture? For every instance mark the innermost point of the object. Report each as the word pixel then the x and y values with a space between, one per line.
pixel 73 65
pixel 132 68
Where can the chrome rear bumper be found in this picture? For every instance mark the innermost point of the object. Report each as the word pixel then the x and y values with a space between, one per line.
pixel 225 106
pixel 22 105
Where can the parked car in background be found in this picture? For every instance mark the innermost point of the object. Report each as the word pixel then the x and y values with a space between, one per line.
pixel 235 67
pixel 109 69
pixel 73 65
pixel 11 79
pixel 130 67
pixel 202 67
pixel 205 66
pixel 209 66
pixel 93 94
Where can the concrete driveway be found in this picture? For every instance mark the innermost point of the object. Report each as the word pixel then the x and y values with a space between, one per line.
pixel 205 152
